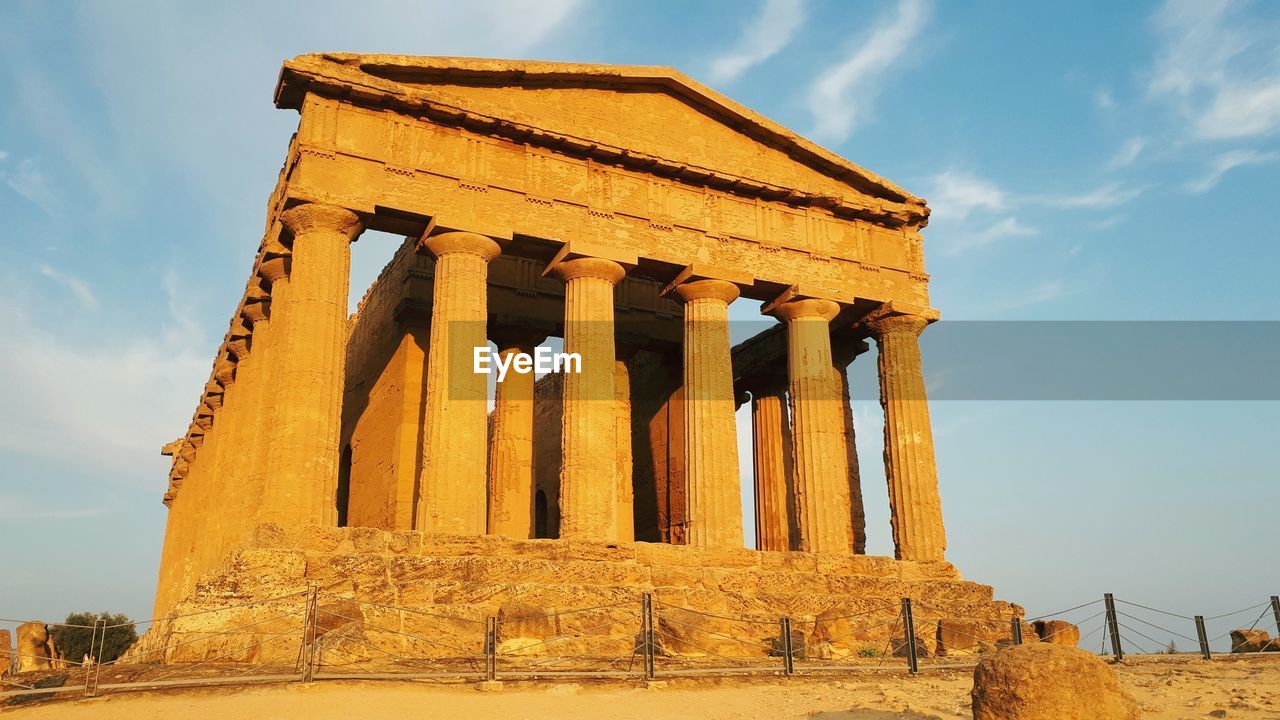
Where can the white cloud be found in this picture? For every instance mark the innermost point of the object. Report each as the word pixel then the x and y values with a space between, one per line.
pixel 100 404
pixel 1221 71
pixel 30 181
pixel 1008 227
pixel 1107 196
pixel 3 155
pixel 957 193
pixel 74 285
pixel 1227 162
pixel 765 37
pixel 842 95
pixel 1127 153
pixel 1104 99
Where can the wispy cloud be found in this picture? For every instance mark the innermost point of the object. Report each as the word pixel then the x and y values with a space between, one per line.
pixel 18 509
pixel 1128 153
pixel 1107 196
pixel 767 34
pixel 1227 162
pixel 30 181
pixel 1104 99
pixel 842 96
pixel 1221 71
pixel 72 284
pixel 957 193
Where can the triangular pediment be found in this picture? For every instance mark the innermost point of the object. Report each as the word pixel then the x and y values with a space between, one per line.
pixel 644 114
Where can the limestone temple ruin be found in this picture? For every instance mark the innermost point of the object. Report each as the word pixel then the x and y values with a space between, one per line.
pixel 623 209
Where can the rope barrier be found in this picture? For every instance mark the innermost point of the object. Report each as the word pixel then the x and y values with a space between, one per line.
pixel 580 633
pixel 384 606
pixel 366 623
pixel 1063 612
pixel 1163 612
pixel 712 633
pixel 770 622
pixel 1161 629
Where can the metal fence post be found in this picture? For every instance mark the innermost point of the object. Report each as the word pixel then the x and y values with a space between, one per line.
pixel 788 658
pixel 1113 627
pixel 491 648
pixel 308 649
pixel 91 690
pixel 909 635
pixel 1275 610
pixel 1016 629
pixel 1203 638
pixel 646 634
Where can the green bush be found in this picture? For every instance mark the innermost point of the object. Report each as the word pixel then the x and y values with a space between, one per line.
pixel 74 641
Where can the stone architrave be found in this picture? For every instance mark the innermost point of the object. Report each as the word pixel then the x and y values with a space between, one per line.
pixel 308 367
pixel 817 427
pixel 452 485
pixel 511 443
pixel 589 443
pixel 914 504
pixel 711 437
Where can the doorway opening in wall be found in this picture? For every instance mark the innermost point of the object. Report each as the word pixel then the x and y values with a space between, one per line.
pixel 344 485
pixel 540 515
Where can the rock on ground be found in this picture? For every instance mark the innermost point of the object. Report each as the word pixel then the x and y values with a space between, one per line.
pixel 1044 681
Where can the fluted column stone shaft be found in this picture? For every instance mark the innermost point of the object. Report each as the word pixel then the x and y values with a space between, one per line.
pixel 302 477
pixel 711 436
pixel 771 445
pixel 625 498
pixel 511 446
pixel 914 503
pixel 857 510
pixel 817 429
pixel 452 486
pixel 589 442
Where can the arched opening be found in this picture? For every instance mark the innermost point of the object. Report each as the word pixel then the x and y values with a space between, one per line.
pixel 540 515
pixel 344 485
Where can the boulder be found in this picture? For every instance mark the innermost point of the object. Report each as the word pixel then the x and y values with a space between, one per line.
pixel 33 647
pixel 1247 641
pixel 6 653
pixel 836 636
pixel 696 633
pixel 521 625
pixel 1046 681
pixel 1058 632
pixel 957 638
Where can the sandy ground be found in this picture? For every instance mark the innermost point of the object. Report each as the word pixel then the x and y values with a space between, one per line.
pixel 1167 690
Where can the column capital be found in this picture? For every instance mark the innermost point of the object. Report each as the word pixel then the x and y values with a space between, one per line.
pixel 890 324
pixel 318 217
pixel 804 308
pixel 897 317
pixel 516 338
pixel 707 289
pixel 460 241
pixel 589 267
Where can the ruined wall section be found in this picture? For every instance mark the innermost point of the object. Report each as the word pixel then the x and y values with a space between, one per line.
pixel 384 395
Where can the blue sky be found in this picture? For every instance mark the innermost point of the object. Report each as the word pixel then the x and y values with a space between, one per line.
pixel 1092 161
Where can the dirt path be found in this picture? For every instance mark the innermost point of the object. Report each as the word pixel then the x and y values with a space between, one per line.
pixel 1167 691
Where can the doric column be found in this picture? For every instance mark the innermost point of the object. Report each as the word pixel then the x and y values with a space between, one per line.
pixel 258 311
pixel 452 487
pixel 843 355
pixel 817 428
pixel 771 444
pixel 625 496
pixel 711 436
pixel 589 440
pixel 511 443
pixel 302 477
pixel 914 505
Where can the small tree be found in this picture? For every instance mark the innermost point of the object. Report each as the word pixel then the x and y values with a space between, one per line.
pixel 74 638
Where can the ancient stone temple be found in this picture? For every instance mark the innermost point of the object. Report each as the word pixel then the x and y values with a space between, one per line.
pixel 623 209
